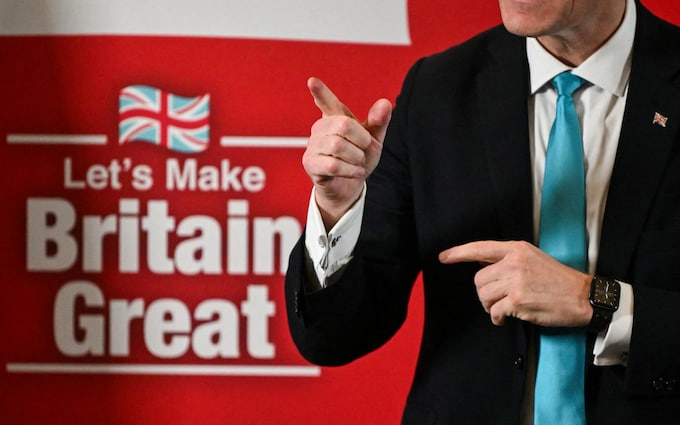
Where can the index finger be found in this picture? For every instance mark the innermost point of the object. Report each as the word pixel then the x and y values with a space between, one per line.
pixel 326 100
pixel 482 251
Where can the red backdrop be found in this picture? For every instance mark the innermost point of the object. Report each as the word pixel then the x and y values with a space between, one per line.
pixel 70 359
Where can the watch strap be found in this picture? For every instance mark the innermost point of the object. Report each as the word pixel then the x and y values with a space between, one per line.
pixel 600 320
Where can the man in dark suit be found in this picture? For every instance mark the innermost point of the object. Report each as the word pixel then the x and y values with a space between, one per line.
pixel 454 191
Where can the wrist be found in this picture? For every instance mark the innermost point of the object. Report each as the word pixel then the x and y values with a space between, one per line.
pixel 333 209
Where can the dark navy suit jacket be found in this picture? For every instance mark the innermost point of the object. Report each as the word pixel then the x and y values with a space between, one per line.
pixel 456 168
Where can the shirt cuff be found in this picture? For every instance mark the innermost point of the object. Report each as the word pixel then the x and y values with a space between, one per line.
pixel 612 345
pixel 329 252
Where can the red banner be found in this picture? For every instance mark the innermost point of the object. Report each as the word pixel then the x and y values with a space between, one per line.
pixel 153 189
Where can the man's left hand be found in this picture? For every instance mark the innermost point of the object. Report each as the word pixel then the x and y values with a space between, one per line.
pixel 519 280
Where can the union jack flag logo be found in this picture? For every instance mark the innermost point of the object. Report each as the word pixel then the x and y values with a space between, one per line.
pixel 660 120
pixel 151 115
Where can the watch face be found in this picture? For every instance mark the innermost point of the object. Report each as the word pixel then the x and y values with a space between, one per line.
pixel 606 293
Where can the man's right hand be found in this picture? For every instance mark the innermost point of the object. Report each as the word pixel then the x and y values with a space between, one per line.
pixel 342 151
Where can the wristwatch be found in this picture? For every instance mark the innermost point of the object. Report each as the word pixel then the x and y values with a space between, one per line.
pixel 604 298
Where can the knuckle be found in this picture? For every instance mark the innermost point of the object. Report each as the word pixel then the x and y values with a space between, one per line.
pixel 313 144
pixel 515 298
pixel 319 165
pixel 518 258
pixel 319 126
pixel 522 245
pixel 520 248
pixel 336 145
pixel 344 125
pixel 331 166
pixel 487 307
pixel 497 316
pixel 479 279
pixel 482 294
pixel 306 162
pixel 309 164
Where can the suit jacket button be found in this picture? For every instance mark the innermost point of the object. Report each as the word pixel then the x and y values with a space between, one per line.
pixel 658 384
pixel 519 362
pixel 670 385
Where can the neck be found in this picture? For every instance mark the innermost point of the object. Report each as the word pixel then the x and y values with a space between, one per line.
pixel 575 44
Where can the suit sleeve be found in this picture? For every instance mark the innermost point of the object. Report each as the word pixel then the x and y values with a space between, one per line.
pixel 365 307
pixel 654 358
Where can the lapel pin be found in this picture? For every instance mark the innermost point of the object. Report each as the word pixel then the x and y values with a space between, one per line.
pixel 660 120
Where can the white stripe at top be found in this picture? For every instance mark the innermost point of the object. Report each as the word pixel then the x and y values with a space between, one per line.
pixel 353 21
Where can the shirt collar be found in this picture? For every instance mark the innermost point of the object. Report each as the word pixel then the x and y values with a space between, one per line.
pixel 607 68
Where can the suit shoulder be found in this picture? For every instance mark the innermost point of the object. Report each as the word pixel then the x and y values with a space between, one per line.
pixel 460 64
pixel 479 46
pixel 490 39
pixel 659 29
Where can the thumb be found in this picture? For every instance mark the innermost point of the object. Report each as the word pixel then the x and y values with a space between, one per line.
pixel 379 118
pixel 327 102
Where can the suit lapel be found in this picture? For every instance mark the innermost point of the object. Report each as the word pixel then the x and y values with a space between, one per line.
pixel 644 145
pixel 503 85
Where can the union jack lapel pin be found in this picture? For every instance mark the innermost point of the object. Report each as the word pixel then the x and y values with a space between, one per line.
pixel 660 120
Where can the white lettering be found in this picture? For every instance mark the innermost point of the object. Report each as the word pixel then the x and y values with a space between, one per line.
pixel 166 328
pixel 184 179
pixel 203 252
pixel 83 326
pixel 195 244
pixel 142 177
pixel 99 176
pixel 94 230
pixel 157 224
pixel 254 179
pixel 258 309
pixel 219 338
pixel 237 242
pixel 69 183
pixel 266 231
pixel 128 252
pixel 67 328
pixel 209 178
pixel 122 313
pixel 49 243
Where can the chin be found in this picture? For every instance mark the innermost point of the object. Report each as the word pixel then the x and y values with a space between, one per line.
pixel 523 29
pixel 524 19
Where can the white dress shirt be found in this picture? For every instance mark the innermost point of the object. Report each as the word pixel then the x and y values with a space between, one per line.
pixel 603 96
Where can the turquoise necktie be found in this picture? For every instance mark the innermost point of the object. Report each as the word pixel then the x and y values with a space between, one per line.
pixel 559 393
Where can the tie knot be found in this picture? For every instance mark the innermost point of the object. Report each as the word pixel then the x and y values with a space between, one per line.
pixel 566 83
